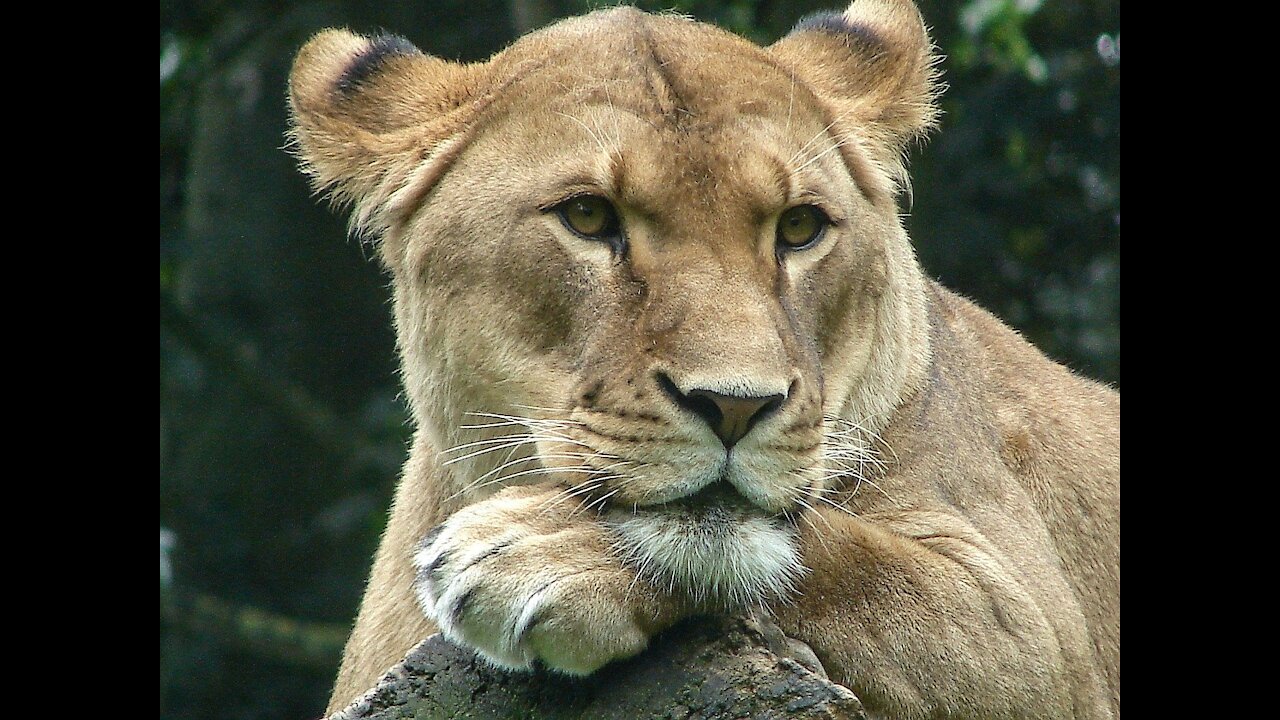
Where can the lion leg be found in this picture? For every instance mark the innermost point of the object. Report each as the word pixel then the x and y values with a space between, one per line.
pixel 527 576
pixel 933 621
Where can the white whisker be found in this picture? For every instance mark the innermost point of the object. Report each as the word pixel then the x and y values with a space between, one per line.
pixel 483 451
pixel 819 156
pixel 795 156
pixel 518 439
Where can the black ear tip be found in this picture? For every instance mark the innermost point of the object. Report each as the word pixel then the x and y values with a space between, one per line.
pixel 835 23
pixel 824 20
pixel 367 63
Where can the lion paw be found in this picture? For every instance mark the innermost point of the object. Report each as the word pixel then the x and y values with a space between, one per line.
pixel 519 580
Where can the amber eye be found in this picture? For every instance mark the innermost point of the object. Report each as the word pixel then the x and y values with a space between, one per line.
pixel 801 226
pixel 590 216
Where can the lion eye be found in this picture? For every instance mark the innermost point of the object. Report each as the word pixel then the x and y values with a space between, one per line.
pixel 801 226
pixel 590 216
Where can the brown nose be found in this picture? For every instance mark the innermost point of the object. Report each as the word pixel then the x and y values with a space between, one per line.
pixel 731 417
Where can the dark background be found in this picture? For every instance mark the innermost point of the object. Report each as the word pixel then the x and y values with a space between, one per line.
pixel 281 429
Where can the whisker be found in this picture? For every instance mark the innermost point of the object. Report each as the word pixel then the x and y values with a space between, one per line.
pixel 812 510
pixel 523 420
pixel 617 132
pixel 575 491
pixel 518 439
pixel 480 481
pixel 483 481
pixel 476 485
pixel 837 506
pixel 484 451
pixel 585 507
pixel 807 518
pixel 550 471
pixel 819 156
pixel 816 135
pixel 590 132
pixel 539 408
pixel 484 426
pixel 582 492
pixel 816 532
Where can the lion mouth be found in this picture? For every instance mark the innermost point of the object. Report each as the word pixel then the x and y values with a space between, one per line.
pixel 717 502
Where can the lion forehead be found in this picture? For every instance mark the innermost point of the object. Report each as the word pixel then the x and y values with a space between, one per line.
pixel 666 70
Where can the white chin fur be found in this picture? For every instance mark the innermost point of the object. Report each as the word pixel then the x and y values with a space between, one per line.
pixel 723 558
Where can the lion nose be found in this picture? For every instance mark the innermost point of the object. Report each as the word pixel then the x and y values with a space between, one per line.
pixel 731 417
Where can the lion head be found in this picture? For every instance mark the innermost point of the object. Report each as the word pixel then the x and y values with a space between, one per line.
pixel 647 258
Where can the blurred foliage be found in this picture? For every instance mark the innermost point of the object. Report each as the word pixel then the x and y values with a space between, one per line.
pixel 281 431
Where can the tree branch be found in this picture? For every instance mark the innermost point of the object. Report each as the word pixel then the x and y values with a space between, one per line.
pixel 706 668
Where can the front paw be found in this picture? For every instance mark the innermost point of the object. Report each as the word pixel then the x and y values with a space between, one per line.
pixel 520 579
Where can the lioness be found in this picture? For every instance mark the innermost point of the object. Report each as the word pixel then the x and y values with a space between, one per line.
pixel 668 350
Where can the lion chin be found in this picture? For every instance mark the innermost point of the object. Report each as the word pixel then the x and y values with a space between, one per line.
pixel 714 547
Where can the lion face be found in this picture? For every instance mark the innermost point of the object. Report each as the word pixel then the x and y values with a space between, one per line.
pixel 641 256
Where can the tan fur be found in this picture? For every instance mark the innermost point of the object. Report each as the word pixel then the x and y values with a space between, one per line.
pixel 934 508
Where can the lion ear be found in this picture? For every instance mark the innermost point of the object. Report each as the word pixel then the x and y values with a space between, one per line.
pixel 875 68
pixel 370 117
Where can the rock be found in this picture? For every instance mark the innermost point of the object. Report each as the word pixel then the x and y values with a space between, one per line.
pixel 705 668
